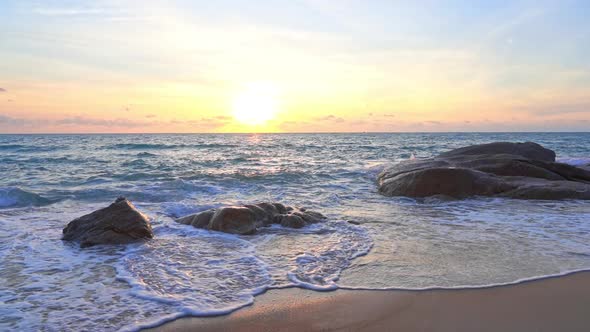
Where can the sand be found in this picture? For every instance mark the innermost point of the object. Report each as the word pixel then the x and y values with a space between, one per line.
pixel 554 304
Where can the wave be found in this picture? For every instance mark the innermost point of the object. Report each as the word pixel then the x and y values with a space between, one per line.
pixel 474 286
pixel 229 270
pixel 575 161
pixel 29 148
pixel 7 147
pixel 148 146
pixel 145 146
pixel 146 154
pixel 16 197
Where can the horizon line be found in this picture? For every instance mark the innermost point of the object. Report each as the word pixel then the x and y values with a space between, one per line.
pixel 303 132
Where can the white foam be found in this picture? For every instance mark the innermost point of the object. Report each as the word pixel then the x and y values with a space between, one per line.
pixel 202 273
pixel 481 286
pixel 575 161
pixel 187 271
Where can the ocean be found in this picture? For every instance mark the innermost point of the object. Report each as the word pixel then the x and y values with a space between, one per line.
pixel 399 243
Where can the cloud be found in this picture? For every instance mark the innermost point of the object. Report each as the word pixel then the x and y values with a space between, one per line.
pixel 2 90
pixel 82 121
pixel 212 122
pixel 68 11
pixel 115 12
pixel 217 119
pixel 8 120
pixel 331 118
pixel 289 123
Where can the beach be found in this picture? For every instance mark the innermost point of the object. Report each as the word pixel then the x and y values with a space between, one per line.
pixel 553 304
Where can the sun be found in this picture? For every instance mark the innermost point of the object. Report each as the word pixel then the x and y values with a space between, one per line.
pixel 256 104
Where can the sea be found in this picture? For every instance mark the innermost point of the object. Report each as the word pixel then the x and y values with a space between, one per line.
pixel 368 242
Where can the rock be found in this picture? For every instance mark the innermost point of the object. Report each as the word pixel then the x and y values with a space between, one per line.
pixel 235 220
pixel 518 170
pixel 527 150
pixel 454 182
pixel 549 190
pixel 200 220
pixel 568 172
pixel 504 165
pixel 292 221
pixel 247 219
pixel 119 223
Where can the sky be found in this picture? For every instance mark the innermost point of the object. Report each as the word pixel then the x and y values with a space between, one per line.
pixel 294 66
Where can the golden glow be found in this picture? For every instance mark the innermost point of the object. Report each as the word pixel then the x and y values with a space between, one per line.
pixel 256 104
pixel 329 81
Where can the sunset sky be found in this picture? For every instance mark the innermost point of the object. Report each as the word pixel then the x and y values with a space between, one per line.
pixel 294 66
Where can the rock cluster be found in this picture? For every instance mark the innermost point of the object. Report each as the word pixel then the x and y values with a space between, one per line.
pixel 516 170
pixel 119 223
pixel 247 219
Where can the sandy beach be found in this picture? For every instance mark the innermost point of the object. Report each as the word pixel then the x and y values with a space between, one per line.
pixel 554 304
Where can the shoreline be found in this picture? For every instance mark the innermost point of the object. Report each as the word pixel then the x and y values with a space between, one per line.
pixel 558 302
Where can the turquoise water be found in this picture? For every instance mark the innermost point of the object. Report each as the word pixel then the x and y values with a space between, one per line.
pixel 48 180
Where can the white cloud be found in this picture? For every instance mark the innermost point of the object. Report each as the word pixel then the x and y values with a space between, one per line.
pixel 68 11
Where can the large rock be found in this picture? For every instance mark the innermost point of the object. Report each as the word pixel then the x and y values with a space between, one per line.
pixel 119 223
pixel 531 188
pixel 528 150
pixel 248 218
pixel 454 182
pixel 518 170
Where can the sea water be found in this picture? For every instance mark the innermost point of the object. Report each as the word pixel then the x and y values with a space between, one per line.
pixel 399 243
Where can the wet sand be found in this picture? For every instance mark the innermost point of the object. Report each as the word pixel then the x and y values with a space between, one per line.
pixel 554 304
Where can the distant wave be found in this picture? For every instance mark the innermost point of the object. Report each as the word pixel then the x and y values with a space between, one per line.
pixel 146 146
pixel 28 148
pixel 16 197
pixel 6 147
pixel 145 154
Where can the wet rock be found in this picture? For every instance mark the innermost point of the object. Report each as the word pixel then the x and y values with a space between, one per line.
pixel 200 220
pixel 530 188
pixel 235 220
pixel 454 182
pixel 527 150
pixel 248 218
pixel 292 221
pixel 517 170
pixel 119 223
